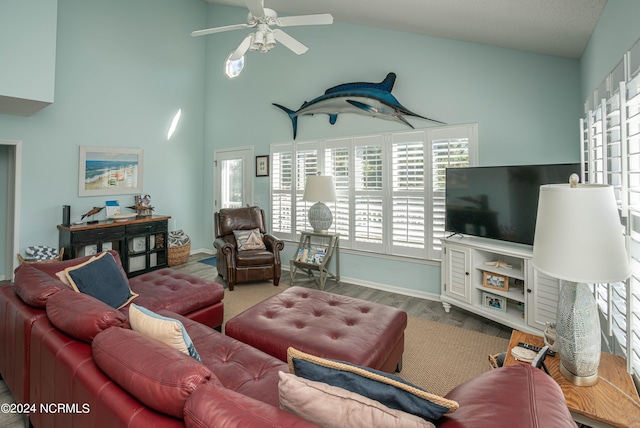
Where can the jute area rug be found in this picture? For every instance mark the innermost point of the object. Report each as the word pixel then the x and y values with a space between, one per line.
pixel 437 357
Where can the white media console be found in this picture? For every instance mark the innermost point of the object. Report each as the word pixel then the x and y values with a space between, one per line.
pixel 475 278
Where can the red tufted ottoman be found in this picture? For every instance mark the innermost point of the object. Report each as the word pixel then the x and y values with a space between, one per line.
pixel 196 298
pixel 324 324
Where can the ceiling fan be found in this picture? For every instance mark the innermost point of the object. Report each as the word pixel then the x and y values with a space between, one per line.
pixel 264 38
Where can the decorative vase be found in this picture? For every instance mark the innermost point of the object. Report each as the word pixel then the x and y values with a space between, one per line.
pixel 578 334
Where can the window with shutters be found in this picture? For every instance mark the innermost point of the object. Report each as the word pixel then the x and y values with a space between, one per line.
pixel 389 187
pixel 610 151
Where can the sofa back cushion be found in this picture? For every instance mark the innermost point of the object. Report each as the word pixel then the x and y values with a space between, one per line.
pixel 54 267
pixel 35 282
pixel 35 286
pixel 513 396
pixel 82 316
pixel 159 376
pixel 248 218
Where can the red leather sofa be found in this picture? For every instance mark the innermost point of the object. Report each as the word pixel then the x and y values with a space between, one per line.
pixel 88 368
pixel 22 304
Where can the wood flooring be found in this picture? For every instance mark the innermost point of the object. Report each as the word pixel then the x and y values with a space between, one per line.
pixel 427 309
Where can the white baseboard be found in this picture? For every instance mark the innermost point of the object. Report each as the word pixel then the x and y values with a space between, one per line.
pixel 202 250
pixel 385 287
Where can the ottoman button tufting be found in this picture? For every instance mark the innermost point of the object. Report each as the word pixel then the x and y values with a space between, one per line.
pixel 374 338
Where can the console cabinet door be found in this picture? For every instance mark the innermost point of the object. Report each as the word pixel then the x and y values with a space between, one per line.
pixel 456 274
pixel 542 298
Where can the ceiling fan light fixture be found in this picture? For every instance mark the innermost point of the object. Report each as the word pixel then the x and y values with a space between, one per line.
pixel 270 41
pixel 258 39
pixel 232 69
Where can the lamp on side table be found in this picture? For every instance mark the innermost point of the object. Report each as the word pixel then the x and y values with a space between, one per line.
pixel 579 240
pixel 319 189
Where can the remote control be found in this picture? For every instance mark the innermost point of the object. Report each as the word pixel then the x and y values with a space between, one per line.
pixel 535 348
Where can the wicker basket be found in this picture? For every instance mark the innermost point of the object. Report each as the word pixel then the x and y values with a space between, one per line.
pixel 56 259
pixel 179 254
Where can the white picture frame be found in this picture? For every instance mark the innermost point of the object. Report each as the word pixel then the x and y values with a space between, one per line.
pixel 494 302
pixel 106 171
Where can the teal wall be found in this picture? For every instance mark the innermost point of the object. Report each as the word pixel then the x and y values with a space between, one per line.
pixel 28 52
pixel 123 69
pixel 4 198
pixel 526 105
pixel 616 32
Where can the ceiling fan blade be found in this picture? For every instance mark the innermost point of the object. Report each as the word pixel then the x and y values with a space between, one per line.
pixel 318 19
pixel 289 42
pixel 256 7
pixel 242 49
pixel 218 29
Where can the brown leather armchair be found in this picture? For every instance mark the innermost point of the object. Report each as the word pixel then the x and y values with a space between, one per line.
pixel 248 265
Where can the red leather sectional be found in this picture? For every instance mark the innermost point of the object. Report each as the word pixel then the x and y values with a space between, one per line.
pixel 197 299
pixel 78 362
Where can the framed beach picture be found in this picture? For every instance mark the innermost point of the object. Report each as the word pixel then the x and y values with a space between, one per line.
pixel 495 281
pixel 108 171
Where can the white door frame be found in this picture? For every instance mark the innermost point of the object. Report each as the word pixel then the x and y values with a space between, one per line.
pixel 245 153
pixel 12 245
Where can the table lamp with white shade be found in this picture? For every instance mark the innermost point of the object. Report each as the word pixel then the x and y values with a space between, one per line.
pixel 320 189
pixel 579 240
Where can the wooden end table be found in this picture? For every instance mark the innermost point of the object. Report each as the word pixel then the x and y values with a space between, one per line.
pixel 612 402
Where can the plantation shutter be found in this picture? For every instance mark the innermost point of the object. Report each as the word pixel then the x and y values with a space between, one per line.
pixel 633 340
pixel 631 151
pixel 368 193
pixel 282 191
pixel 337 156
pixel 451 147
pixel 306 164
pixel 408 194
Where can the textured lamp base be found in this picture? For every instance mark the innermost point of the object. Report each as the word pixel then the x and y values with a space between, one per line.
pixel 578 332
pixel 320 218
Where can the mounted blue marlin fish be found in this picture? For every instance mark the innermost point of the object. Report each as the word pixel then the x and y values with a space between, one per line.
pixel 372 99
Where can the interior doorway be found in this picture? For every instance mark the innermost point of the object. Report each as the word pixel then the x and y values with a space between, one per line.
pixel 11 151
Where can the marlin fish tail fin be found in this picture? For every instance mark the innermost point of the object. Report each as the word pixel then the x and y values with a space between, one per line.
pixel 292 115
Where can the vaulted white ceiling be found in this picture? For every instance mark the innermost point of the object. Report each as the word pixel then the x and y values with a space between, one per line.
pixel 553 27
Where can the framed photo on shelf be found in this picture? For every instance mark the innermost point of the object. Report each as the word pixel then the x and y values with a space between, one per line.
pixel 105 171
pixel 494 302
pixel 262 166
pixel 495 281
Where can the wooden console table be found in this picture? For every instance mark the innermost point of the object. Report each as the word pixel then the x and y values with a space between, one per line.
pixel 612 402
pixel 141 242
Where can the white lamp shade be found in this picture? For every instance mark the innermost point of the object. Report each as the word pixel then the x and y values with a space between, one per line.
pixel 578 234
pixel 319 188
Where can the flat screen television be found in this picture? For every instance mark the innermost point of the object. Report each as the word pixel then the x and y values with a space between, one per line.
pixel 499 202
